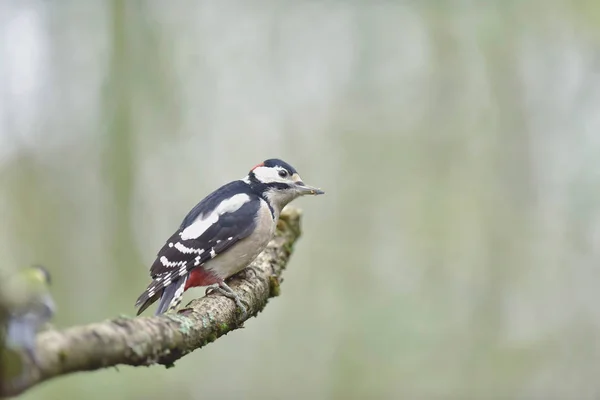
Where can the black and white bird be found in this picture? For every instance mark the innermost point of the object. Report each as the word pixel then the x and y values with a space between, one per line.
pixel 223 234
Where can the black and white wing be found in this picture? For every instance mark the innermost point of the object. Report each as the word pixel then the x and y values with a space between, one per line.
pixel 202 236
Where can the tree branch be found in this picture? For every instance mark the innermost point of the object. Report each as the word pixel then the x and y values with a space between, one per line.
pixel 166 338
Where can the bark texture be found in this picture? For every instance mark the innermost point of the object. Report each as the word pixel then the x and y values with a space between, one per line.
pixel 143 341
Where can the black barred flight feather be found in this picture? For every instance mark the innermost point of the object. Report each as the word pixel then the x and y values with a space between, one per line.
pixel 180 255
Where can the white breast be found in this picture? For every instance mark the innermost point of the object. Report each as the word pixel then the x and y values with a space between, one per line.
pixel 245 251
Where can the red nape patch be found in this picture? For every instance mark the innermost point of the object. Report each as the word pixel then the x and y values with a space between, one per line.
pixel 257 165
pixel 200 277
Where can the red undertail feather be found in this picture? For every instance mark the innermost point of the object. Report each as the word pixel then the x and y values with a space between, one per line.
pixel 200 277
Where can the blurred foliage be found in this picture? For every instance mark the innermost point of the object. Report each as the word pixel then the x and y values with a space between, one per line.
pixel 455 254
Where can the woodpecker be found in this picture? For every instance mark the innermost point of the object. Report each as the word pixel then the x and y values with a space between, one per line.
pixel 223 234
pixel 29 306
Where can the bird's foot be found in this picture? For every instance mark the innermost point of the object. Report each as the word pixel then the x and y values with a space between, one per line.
pixel 210 290
pixel 226 291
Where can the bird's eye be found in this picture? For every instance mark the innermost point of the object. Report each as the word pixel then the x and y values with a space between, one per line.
pixel 283 173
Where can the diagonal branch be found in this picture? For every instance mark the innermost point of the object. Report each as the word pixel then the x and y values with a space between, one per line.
pixel 166 338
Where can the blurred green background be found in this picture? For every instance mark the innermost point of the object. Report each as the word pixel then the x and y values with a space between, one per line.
pixel 456 252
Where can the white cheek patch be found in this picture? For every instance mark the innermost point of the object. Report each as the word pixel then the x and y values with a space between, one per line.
pixel 201 224
pixel 269 175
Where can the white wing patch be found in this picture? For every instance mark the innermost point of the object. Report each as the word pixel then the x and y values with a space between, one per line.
pixel 201 224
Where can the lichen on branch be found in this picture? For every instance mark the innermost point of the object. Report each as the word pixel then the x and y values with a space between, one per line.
pixel 163 339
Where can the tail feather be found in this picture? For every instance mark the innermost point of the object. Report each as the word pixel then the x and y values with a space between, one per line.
pixel 171 296
pixel 145 301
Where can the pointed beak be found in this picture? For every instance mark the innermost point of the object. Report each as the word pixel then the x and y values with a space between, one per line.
pixel 304 189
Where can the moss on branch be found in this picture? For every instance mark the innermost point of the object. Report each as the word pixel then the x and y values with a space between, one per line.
pixel 164 339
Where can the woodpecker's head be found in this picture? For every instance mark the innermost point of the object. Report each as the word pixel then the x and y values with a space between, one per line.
pixel 279 182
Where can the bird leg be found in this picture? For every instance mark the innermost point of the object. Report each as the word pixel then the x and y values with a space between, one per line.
pixel 228 292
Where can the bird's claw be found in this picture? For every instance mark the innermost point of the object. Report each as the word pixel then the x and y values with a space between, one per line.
pixel 226 291
pixel 209 290
pixel 233 296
